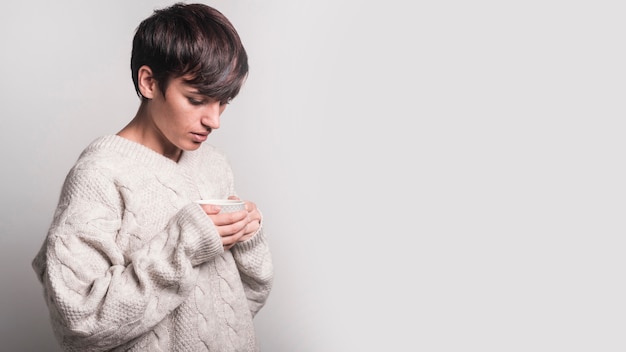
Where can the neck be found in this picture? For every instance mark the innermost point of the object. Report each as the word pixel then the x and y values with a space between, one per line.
pixel 141 129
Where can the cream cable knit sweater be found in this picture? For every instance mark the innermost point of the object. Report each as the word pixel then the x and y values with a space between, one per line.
pixel 130 263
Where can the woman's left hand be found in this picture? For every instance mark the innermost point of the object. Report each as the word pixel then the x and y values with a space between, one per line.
pixel 254 219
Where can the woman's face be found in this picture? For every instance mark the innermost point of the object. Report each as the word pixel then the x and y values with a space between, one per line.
pixel 183 118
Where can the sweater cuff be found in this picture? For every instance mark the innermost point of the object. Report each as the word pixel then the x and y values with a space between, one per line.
pixel 250 243
pixel 198 234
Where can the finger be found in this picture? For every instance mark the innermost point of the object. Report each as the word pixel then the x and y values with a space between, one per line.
pixel 251 230
pixel 254 215
pixel 228 218
pixel 232 229
pixel 250 207
pixel 231 240
pixel 252 227
pixel 211 209
pixel 234 197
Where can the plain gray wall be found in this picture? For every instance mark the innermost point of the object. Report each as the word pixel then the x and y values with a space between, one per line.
pixel 435 176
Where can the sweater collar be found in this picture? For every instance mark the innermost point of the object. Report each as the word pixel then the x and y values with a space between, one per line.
pixel 141 153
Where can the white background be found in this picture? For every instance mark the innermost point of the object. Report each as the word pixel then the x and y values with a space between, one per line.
pixel 435 176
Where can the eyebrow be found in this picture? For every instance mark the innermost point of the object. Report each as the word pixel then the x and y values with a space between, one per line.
pixel 193 91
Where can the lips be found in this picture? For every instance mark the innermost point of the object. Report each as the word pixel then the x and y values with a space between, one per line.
pixel 200 137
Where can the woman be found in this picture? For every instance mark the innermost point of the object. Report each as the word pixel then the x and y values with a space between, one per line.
pixel 131 262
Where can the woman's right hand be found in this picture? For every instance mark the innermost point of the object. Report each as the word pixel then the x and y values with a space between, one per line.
pixel 230 226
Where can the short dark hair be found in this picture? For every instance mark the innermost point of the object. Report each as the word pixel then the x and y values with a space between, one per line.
pixel 193 40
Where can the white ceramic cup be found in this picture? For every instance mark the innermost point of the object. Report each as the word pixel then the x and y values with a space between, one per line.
pixel 226 205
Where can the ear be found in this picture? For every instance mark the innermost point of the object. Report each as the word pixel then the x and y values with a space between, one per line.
pixel 146 82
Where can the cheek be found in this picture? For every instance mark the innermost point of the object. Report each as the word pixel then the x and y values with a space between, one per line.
pixel 178 115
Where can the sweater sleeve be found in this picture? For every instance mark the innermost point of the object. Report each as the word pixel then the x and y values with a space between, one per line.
pixel 252 257
pixel 100 297
pixel 255 266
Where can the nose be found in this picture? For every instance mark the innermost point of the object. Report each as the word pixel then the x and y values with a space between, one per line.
pixel 211 115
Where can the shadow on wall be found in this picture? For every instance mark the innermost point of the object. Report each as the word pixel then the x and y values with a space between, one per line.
pixel 25 320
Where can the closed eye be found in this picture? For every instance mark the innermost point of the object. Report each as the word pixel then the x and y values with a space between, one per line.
pixel 193 101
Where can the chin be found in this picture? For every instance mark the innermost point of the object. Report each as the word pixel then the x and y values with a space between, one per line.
pixel 192 146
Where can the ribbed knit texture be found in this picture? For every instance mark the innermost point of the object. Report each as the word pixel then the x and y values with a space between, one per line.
pixel 130 263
